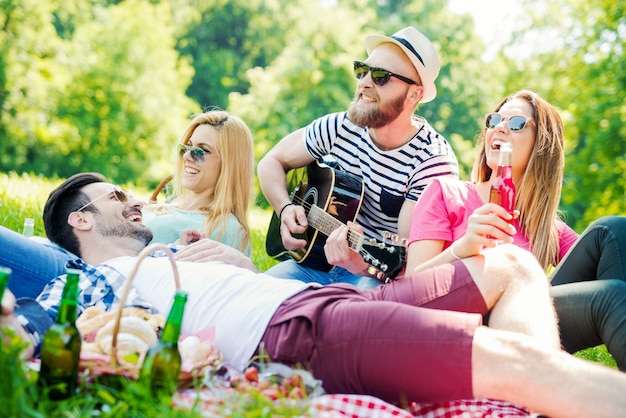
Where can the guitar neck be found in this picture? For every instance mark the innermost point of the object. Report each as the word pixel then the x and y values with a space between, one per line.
pixel 326 224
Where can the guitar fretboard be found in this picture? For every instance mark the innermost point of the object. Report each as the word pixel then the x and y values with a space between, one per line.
pixel 326 224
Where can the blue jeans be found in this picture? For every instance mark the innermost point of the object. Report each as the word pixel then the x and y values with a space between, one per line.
pixel 589 289
pixel 289 269
pixel 33 263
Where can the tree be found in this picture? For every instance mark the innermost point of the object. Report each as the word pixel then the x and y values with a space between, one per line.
pixel 225 39
pixel 313 76
pixel 583 74
pixel 108 96
pixel 28 48
pixel 126 106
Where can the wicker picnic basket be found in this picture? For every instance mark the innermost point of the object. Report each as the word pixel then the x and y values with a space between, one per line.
pixel 94 365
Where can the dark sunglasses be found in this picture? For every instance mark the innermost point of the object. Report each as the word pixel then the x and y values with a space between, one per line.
pixel 516 123
pixel 119 194
pixel 380 76
pixel 197 153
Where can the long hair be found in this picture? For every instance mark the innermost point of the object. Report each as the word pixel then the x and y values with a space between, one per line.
pixel 233 188
pixel 539 188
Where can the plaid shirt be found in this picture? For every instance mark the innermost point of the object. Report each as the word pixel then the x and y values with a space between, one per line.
pixel 101 286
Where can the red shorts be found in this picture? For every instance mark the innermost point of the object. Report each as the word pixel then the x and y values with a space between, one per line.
pixel 400 342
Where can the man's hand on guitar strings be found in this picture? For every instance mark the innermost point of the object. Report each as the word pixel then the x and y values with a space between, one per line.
pixel 339 253
pixel 293 221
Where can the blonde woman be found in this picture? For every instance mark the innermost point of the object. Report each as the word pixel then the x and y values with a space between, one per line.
pixel 453 220
pixel 212 181
pixel 213 177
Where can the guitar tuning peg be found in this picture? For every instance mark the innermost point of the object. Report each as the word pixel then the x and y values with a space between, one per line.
pixel 395 238
pixel 375 243
pixel 385 235
pixel 403 242
pixel 382 277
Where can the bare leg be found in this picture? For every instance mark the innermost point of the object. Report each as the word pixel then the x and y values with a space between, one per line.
pixel 516 368
pixel 516 290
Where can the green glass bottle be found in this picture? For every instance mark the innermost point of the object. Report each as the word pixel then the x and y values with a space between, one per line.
pixel 60 349
pixel 29 227
pixel 162 364
pixel 5 272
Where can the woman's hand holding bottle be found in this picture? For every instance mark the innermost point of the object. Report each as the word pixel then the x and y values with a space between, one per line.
pixel 487 227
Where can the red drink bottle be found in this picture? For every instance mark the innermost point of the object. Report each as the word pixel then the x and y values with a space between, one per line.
pixel 502 189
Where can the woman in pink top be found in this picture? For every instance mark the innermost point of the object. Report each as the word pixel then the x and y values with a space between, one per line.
pixel 453 220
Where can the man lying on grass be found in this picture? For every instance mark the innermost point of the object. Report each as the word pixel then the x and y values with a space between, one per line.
pixel 407 340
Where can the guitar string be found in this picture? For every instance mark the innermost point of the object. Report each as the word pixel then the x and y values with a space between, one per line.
pixel 332 222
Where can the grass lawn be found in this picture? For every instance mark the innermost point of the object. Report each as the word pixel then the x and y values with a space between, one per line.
pixel 23 196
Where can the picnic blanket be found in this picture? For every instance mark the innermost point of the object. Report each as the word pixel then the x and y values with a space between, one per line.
pixel 358 406
pixel 319 404
pixel 206 402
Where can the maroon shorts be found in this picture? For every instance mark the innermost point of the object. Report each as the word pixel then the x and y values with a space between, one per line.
pixel 401 342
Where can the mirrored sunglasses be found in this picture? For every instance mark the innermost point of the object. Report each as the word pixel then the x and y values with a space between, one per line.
pixel 516 123
pixel 120 195
pixel 197 153
pixel 380 76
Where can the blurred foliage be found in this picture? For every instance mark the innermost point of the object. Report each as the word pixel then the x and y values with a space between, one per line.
pixel 107 85
pixel 24 195
pixel 582 71
pixel 116 396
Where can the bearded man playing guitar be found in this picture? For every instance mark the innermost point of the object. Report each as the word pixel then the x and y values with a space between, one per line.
pixel 380 141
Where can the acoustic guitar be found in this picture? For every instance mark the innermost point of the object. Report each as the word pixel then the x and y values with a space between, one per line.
pixel 331 197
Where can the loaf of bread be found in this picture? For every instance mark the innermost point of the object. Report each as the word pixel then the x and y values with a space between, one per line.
pixel 138 330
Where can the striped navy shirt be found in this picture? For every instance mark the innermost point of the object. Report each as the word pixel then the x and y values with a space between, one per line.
pixel 390 177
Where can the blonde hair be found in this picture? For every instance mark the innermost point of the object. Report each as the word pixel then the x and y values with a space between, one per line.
pixel 539 188
pixel 232 191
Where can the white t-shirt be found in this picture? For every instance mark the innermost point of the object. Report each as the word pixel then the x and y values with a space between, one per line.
pixel 236 302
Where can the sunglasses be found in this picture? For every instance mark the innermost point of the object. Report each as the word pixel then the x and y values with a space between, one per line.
pixel 197 153
pixel 516 123
pixel 380 76
pixel 119 194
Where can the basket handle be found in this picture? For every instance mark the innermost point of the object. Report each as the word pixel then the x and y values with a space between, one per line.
pixel 142 255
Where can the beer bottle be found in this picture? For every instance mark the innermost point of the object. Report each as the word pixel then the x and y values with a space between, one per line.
pixel 29 227
pixel 162 364
pixel 5 272
pixel 502 189
pixel 60 350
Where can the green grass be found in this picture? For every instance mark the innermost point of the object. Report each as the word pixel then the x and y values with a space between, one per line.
pixel 22 396
pixel 598 354
pixel 23 196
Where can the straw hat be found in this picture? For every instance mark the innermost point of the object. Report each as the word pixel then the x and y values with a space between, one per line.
pixel 420 51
